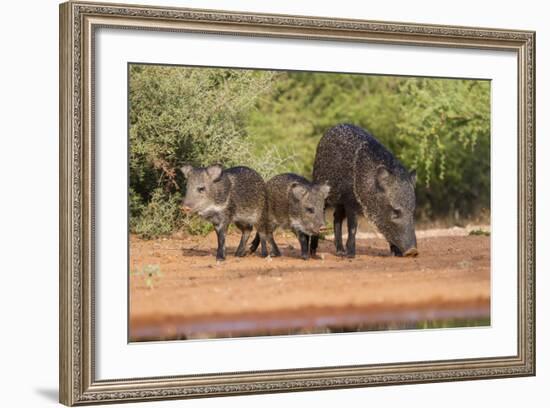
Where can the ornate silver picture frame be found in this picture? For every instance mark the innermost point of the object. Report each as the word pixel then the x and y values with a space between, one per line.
pixel 78 24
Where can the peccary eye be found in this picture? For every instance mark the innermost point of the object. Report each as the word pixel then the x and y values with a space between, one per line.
pixel 396 213
pixel 310 210
pixel 201 189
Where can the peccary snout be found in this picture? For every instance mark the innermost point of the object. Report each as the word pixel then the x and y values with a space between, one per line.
pixel 392 205
pixel 405 247
pixel 411 252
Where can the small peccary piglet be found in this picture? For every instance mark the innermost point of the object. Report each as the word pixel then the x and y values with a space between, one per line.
pixel 366 179
pixel 293 203
pixel 236 195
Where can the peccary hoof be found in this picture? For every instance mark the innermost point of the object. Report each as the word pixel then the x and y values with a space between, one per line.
pixel 341 252
pixel 350 256
pixel 275 254
pixel 395 251
pixel 220 258
pixel 305 257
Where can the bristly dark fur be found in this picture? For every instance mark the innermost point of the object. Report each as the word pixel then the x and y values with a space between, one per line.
pixel 236 195
pixel 296 204
pixel 365 179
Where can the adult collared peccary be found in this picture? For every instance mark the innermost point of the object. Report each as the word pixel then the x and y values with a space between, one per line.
pixel 293 203
pixel 236 195
pixel 366 179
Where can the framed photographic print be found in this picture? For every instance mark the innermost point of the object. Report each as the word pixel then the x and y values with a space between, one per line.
pixel 256 203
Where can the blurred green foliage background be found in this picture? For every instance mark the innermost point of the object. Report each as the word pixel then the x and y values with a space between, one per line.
pixel 272 121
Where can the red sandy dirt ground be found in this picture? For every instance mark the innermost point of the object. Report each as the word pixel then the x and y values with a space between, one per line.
pixel 190 295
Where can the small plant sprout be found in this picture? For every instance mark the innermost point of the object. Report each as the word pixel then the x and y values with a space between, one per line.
pixel 149 273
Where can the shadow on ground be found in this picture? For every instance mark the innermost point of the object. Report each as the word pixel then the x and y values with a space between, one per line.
pixel 50 394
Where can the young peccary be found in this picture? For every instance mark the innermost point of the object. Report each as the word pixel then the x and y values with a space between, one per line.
pixel 293 203
pixel 236 195
pixel 366 179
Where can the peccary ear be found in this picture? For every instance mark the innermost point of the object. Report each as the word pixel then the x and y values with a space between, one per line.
pixel 324 189
pixel 413 177
pixel 214 172
pixel 298 191
pixel 186 169
pixel 382 178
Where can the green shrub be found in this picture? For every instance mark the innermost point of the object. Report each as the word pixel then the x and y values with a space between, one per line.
pixel 185 115
pixel 444 132
pixel 441 127
pixel 160 216
pixel 480 232
pixel 272 121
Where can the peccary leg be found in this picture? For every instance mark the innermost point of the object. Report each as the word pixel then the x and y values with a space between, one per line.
pixel 352 230
pixel 339 215
pixel 263 244
pixel 395 251
pixel 304 245
pixel 262 239
pixel 255 243
pixel 274 248
pixel 246 230
pixel 221 230
pixel 313 244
